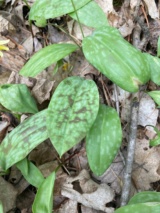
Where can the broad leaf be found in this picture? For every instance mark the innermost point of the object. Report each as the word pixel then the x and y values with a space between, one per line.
pixel 144 197
pixel 116 58
pixel 88 13
pixel 154 65
pixel 156 96
pixel 17 98
pixel 71 112
pixel 45 57
pixel 30 172
pixel 22 140
pixel 44 198
pixel 44 9
pixel 140 208
pixel 103 140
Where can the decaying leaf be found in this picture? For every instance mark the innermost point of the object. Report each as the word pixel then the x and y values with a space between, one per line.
pixel 7 195
pixel 147 169
pixel 148 113
pixel 152 8
pixel 93 195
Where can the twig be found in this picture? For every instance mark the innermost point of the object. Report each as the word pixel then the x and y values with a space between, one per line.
pixel 130 153
pixel 72 37
pixel 77 18
pixel 116 98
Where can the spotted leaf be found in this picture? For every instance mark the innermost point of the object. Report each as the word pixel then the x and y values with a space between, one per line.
pixel 71 112
pixel 22 140
pixel 45 57
pixel 103 140
pixel 144 197
pixel 44 9
pixel 140 208
pixel 44 198
pixel 116 58
pixel 17 98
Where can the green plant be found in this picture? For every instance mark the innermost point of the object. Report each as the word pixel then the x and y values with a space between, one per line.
pixel 74 110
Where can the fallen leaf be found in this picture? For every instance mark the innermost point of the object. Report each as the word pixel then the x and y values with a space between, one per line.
pixel 8 195
pixel 147 168
pixel 94 196
pixel 152 8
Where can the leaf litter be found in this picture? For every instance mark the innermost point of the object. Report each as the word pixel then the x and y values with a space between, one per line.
pixel 74 184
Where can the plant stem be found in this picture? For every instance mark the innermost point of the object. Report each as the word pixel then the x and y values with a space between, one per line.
pixel 130 153
pixel 77 18
pixel 60 28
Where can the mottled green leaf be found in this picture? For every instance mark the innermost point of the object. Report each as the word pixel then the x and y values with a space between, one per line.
pixel 71 112
pixel 140 208
pixel 43 202
pixel 45 57
pixel 91 15
pixel 144 197
pixel 116 58
pixel 103 140
pixel 154 65
pixel 30 171
pixel 22 140
pixel 156 96
pixel 1 207
pixel 44 9
pixel 17 98
pixel 158 47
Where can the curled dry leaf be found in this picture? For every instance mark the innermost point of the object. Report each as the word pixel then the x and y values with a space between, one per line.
pixel 93 195
pixel 147 167
pixel 152 8
pixel 69 206
pixel 148 113
pixel 42 90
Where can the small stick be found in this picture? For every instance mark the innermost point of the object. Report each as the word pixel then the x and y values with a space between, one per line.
pixel 130 153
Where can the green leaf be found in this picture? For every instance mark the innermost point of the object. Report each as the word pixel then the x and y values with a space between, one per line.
pixel 45 57
pixel 88 13
pixel 22 140
pixel 103 140
pixel 44 9
pixel 154 65
pixel 44 198
pixel 155 142
pixel 117 59
pixel 144 197
pixel 30 171
pixel 140 208
pixel 156 96
pixel 158 47
pixel 17 98
pixel 1 207
pixel 71 112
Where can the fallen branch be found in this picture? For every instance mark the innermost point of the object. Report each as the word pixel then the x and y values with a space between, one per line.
pixel 130 153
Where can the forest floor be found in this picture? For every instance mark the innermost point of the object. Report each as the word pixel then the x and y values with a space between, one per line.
pixel 138 22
